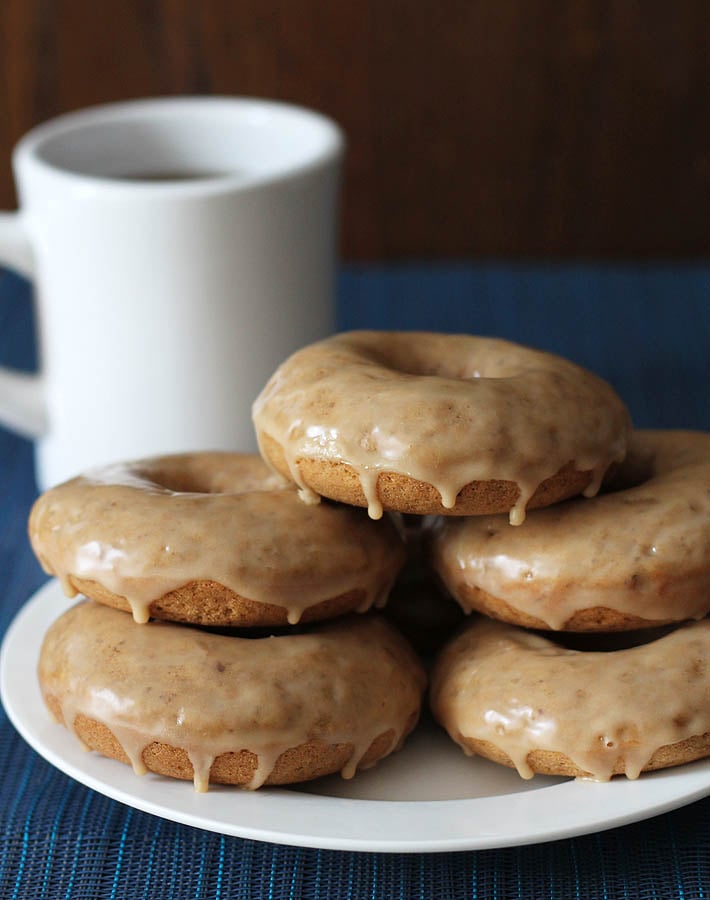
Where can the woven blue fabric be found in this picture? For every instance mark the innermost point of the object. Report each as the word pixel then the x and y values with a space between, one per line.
pixel 646 329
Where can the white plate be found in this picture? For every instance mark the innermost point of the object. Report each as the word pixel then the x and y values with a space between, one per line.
pixel 428 797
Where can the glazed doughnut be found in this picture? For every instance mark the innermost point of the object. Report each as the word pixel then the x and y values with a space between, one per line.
pixel 520 699
pixel 635 557
pixel 432 423
pixel 211 539
pixel 249 711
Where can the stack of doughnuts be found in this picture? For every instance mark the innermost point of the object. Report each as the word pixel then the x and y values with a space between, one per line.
pixel 189 658
pixel 614 678
pixel 226 635
pixel 477 432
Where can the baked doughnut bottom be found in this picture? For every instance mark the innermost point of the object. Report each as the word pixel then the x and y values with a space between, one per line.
pixel 401 493
pixel 313 759
pixel 547 762
pixel 592 619
pixel 208 603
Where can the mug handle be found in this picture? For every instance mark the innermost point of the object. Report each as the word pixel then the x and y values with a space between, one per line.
pixel 22 405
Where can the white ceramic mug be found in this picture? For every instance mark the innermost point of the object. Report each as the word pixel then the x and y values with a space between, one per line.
pixel 180 249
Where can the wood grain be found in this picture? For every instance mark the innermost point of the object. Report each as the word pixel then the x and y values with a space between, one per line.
pixel 514 128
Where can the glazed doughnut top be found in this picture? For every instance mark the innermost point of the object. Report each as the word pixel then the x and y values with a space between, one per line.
pixel 346 681
pixel 522 692
pixel 447 410
pixel 146 528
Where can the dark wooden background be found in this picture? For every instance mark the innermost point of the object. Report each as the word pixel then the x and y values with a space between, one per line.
pixel 485 128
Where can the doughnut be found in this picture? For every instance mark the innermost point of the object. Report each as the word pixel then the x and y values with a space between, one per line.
pixel 633 557
pixel 519 699
pixel 211 539
pixel 432 423
pixel 191 704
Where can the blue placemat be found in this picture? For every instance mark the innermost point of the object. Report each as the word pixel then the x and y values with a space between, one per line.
pixel 645 329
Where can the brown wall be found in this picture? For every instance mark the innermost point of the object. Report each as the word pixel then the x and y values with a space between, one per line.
pixel 531 128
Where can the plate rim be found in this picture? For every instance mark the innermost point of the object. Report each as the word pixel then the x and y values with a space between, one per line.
pixel 282 814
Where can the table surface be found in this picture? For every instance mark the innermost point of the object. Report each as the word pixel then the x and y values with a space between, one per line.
pixel 647 330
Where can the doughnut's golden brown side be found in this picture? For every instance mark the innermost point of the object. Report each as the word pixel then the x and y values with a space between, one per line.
pixel 400 493
pixel 547 762
pixel 595 618
pixel 305 762
pixel 212 604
